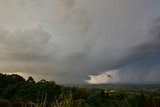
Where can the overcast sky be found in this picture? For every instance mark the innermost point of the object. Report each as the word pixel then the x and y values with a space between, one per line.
pixel 81 41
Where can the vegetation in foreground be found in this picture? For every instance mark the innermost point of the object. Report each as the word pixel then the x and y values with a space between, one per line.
pixel 15 91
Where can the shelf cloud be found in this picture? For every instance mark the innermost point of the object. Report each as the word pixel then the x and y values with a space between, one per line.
pixel 82 41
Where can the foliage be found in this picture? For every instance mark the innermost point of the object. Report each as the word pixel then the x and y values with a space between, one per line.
pixel 14 88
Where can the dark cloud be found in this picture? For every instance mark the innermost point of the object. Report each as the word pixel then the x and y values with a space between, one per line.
pixel 79 38
pixel 140 64
pixel 145 59
pixel 24 45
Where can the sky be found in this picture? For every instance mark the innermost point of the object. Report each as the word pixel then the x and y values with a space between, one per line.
pixel 81 41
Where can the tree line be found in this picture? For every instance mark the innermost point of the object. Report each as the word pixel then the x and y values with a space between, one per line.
pixel 14 88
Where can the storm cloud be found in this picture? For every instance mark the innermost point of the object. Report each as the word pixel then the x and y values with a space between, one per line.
pixel 81 41
pixel 141 64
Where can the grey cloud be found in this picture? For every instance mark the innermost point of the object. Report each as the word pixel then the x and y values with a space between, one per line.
pixel 128 60
pixel 64 9
pixel 142 64
pixel 27 44
pixel 35 51
pixel 69 12
pixel 152 46
pixel 83 21
pixel 77 38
